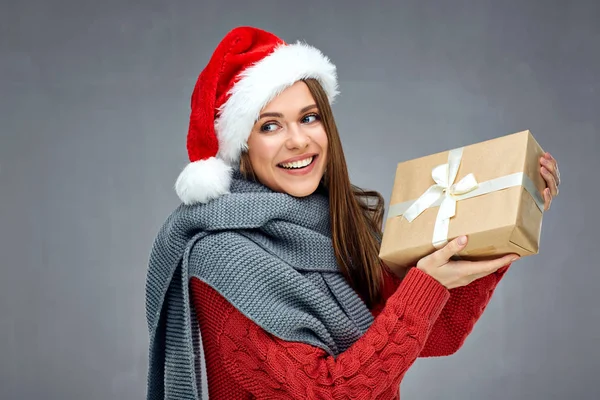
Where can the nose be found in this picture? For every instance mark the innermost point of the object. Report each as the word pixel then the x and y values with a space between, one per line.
pixel 298 138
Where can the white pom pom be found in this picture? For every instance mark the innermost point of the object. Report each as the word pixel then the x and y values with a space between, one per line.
pixel 204 180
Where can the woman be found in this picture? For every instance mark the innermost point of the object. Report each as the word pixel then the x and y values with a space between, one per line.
pixel 266 282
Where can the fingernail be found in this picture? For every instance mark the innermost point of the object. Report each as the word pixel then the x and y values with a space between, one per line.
pixel 462 240
pixel 514 258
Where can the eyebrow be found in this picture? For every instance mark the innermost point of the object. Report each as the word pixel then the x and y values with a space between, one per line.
pixel 279 115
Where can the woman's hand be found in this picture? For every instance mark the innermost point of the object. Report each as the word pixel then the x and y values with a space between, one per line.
pixel 453 274
pixel 551 174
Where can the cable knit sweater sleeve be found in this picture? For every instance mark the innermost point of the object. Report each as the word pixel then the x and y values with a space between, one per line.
pixel 458 317
pixel 372 367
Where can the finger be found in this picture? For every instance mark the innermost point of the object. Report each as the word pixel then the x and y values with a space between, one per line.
pixel 443 255
pixel 489 266
pixel 551 158
pixel 547 199
pixel 556 169
pixel 550 181
pixel 551 165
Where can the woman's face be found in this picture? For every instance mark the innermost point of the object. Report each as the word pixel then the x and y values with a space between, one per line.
pixel 288 144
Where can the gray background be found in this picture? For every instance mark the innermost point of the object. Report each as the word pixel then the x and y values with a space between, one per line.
pixel 93 115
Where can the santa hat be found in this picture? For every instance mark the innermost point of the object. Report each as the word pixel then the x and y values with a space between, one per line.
pixel 248 69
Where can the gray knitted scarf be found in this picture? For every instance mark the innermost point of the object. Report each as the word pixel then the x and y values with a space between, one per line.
pixel 270 255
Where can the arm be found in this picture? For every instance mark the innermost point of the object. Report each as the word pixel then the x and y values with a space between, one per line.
pixel 458 317
pixel 373 366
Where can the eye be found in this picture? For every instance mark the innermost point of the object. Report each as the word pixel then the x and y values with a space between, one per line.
pixel 268 127
pixel 310 118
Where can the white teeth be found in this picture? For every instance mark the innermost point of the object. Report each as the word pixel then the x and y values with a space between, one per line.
pixel 298 164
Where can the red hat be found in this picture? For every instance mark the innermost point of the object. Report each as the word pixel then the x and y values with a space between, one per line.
pixel 248 69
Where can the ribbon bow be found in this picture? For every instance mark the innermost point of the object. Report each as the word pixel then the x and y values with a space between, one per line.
pixel 445 189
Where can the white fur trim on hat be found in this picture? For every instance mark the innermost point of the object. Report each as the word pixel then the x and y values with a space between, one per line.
pixel 261 83
pixel 204 180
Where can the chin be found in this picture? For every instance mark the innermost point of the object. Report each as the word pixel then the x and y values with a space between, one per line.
pixel 300 187
pixel 301 190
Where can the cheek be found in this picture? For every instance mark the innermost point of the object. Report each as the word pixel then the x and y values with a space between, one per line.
pixel 262 152
pixel 321 140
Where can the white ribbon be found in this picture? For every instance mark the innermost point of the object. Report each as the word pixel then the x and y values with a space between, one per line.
pixel 445 193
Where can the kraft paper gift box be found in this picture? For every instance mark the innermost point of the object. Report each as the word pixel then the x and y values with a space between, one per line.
pixel 490 191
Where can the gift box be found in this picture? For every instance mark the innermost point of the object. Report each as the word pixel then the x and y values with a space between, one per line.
pixel 490 191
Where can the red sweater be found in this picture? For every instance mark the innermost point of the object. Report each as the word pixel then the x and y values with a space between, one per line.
pixel 418 318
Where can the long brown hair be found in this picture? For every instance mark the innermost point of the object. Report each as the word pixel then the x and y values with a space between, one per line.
pixel 356 214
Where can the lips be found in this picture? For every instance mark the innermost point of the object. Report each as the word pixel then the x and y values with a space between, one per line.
pixel 298 162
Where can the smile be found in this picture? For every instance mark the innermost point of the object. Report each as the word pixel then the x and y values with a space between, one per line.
pixel 298 164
